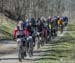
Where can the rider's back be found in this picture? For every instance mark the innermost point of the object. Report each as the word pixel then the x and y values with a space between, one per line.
pixel 60 22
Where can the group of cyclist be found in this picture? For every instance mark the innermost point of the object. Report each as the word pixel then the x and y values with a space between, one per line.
pixel 46 27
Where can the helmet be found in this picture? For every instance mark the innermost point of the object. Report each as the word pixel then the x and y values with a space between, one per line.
pixel 52 19
pixel 20 25
pixel 61 18
pixel 58 16
pixel 49 17
pixel 38 18
pixel 43 19
pixel 27 20
pixel 20 22
pixel 54 16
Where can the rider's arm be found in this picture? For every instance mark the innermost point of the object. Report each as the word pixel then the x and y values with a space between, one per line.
pixel 14 33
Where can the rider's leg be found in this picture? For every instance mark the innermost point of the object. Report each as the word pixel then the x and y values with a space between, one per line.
pixel 33 41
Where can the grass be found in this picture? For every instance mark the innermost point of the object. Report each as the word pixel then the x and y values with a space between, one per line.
pixel 71 27
pixel 61 51
pixel 6 29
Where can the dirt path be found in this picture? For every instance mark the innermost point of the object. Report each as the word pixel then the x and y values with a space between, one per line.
pixel 11 56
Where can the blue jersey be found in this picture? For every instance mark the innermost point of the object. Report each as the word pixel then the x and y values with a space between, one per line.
pixel 25 24
pixel 33 21
pixel 65 19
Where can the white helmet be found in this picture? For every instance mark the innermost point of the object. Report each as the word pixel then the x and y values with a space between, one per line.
pixel 20 24
pixel 61 18
pixel 43 18
pixel 49 17
pixel 27 20
pixel 58 16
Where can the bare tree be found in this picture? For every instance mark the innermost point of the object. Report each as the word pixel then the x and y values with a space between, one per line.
pixel 22 9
